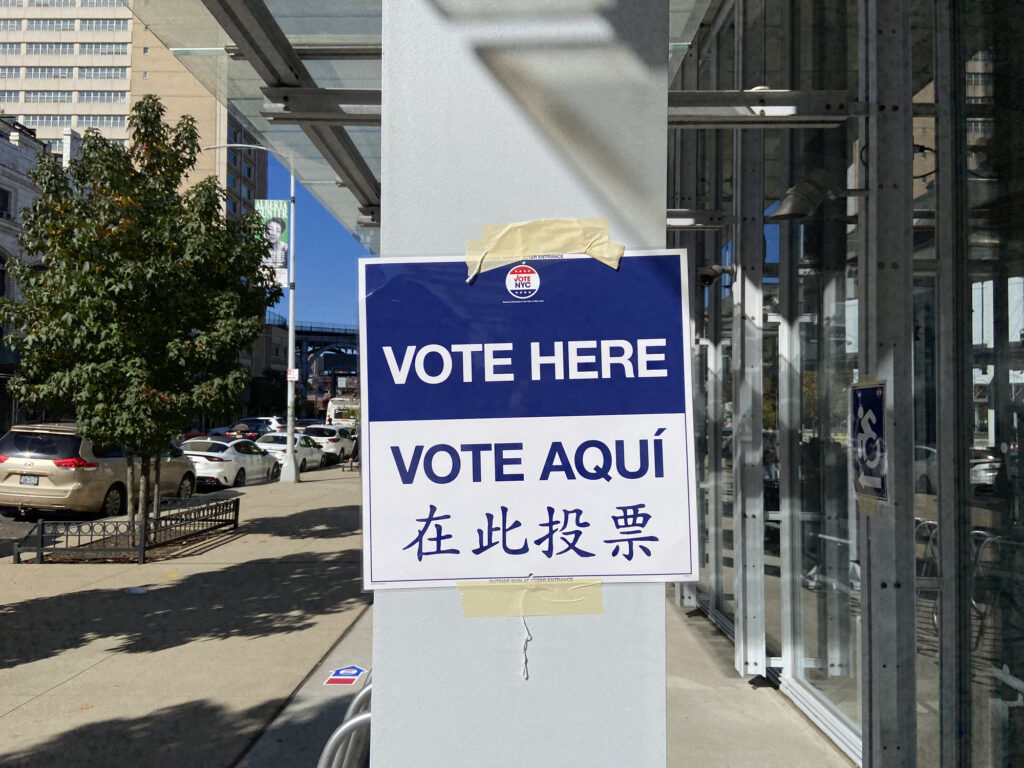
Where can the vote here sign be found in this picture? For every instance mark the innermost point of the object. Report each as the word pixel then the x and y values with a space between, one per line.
pixel 536 421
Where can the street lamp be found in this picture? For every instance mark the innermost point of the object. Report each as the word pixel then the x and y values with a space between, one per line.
pixel 289 472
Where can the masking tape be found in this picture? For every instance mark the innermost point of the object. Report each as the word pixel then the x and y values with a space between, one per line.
pixel 867 504
pixel 532 597
pixel 507 243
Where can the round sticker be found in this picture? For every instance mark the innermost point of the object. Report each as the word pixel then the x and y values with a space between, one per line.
pixel 522 281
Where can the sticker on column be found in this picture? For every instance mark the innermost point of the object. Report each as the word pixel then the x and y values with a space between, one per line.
pixel 867 441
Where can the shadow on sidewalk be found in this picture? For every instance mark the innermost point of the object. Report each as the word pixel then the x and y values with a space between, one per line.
pixel 198 733
pixel 323 523
pixel 253 599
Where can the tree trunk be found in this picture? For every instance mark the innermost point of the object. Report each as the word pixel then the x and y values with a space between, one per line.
pixel 156 486
pixel 144 486
pixel 130 492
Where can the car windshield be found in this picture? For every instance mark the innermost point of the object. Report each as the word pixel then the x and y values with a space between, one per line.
pixel 204 446
pixel 39 445
pixel 320 432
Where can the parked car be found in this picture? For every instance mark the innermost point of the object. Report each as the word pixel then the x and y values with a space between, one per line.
pixel 51 467
pixel 926 469
pixel 336 442
pixel 230 462
pixel 252 429
pixel 985 466
pixel 307 452
pixel 302 424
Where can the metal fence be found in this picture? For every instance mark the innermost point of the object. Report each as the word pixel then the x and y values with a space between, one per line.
pixel 92 540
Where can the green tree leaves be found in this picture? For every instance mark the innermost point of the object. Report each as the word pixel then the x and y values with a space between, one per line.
pixel 144 293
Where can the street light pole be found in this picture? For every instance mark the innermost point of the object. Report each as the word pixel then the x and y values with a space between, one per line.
pixel 289 472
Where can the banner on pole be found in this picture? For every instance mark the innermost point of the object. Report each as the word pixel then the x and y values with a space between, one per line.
pixel 277 226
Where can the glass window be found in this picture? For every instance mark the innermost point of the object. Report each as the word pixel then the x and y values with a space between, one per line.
pixel 103 73
pixel 49 73
pixel 10 3
pixel 9 49
pixel 102 97
pixel 10 25
pixel 103 49
pixel 102 121
pixel 51 3
pixel 104 25
pixel 51 25
pixel 232 181
pixel 49 49
pixel 8 97
pixel 47 97
pixel 247 170
pixel 102 3
pixel 204 446
pixel 994 451
pixel 10 72
pixel 39 445
pixel 47 121
pixel 101 451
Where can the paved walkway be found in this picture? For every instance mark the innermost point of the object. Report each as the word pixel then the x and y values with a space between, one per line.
pixel 218 657
pixel 180 662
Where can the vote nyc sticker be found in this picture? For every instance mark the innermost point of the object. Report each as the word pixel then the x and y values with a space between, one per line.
pixel 522 281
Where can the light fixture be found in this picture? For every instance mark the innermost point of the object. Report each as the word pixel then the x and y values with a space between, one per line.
pixel 804 197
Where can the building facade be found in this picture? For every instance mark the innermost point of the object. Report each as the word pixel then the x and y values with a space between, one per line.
pixel 81 64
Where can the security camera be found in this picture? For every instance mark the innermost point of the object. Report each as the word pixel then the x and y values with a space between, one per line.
pixel 708 275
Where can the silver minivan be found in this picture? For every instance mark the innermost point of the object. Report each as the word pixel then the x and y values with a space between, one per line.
pixel 49 467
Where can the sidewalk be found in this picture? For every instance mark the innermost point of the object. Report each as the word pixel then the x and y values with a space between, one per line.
pixel 221 661
pixel 187 670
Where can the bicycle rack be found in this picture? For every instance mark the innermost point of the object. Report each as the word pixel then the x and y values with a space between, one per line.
pixel 349 745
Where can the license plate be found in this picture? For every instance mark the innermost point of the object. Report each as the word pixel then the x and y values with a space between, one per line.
pixel 30 480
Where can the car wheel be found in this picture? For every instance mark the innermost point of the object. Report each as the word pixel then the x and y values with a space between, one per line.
pixel 275 471
pixel 239 479
pixel 323 460
pixel 186 487
pixel 114 502
pixel 302 466
pixel 341 455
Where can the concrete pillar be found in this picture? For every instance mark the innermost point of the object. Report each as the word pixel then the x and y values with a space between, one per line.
pixel 494 115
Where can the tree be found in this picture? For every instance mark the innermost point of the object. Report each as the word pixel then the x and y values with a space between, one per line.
pixel 144 293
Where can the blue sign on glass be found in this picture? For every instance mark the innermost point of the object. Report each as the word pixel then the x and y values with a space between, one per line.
pixel 867 441
pixel 532 422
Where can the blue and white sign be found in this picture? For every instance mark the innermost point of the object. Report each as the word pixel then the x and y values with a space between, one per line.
pixel 536 421
pixel 345 676
pixel 867 441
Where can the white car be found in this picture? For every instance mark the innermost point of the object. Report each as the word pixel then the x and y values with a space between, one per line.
pixel 337 442
pixel 307 452
pixel 230 462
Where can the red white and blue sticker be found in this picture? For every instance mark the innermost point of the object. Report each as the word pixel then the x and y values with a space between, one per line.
pixel 522 281
pixel 345 675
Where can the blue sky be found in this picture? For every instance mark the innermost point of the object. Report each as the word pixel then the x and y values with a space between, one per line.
pixel 325 258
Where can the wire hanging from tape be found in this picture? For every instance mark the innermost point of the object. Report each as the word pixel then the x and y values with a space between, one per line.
pixel 526 643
